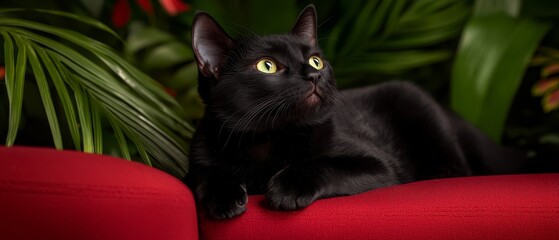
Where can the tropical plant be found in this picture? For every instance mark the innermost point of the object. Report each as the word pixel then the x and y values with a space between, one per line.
pixel 494 53
pixel 392 37
pixel 96 89
pixel 548 86
pixel 90 96
pixel 168 60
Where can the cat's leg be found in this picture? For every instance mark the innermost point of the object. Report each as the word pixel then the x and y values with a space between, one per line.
pixel 218 192
pixel 297 186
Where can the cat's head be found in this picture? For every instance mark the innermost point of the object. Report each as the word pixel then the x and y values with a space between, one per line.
pixel 263 82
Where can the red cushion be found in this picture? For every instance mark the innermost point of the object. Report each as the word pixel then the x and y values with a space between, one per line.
pixel 496 207
pixel 49 194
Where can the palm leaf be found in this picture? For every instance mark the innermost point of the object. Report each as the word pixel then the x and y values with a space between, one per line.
pixel 170 61
pixel 15 78
pixel 65 99
pixel 80 18
pixel 92 78
pixel 44 90
pixel 121 139
pixel 374 36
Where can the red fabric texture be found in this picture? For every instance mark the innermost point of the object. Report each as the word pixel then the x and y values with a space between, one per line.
pixel 493 207
pixel 49 194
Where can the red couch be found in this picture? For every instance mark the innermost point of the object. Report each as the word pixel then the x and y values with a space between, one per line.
pixel 49 194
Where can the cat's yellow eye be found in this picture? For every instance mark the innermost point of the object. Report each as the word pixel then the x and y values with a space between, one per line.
pixel 267 65
pixel 316 62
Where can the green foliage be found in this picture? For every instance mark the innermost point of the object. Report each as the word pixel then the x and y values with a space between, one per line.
pixel 494 52
pixel 93 84
pixel 391 37
pixel 245 17
pixel 548 86
pixel 169 61
pixel 95 101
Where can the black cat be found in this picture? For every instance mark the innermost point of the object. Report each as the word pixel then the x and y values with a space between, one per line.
pixel 275 124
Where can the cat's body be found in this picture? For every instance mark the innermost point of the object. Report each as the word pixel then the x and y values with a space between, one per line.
pixel 276 125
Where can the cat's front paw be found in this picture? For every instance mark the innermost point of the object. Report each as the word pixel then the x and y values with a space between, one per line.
pixel 292 189
pixel 225 202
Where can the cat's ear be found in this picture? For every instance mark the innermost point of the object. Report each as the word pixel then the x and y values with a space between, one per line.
pixel 305 27
pixel 210 44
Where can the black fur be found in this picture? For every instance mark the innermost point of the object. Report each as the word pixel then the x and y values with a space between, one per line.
pixel 263 134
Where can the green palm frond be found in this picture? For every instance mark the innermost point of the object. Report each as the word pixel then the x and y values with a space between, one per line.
pixel 390 37
pixel 94 86
pixel 170 61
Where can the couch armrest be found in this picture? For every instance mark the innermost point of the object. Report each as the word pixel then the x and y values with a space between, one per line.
pixel 49 194
pixel 490 207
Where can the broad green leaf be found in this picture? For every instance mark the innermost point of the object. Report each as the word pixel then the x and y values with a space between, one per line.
pixel 44 90
pixel 509 7
pixel 146 37
pixel 93 6
pixel 493 54
pixel 184 78
pixel 167 55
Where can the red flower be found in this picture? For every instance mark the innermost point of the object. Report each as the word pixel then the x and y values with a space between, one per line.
pixel 545 85
pixel 171 92
pixel 550 69
pixel 146 6
pixel 2 73
pixel 174 7
pixel 551 101
pixel 121 13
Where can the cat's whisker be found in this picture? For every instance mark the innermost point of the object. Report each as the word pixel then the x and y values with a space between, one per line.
pixel 232 130
pixel 283 107
pixel 267 113
pixel 246 119
pixel 249 120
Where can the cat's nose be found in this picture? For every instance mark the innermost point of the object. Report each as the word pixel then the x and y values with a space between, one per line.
pixel 314 76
